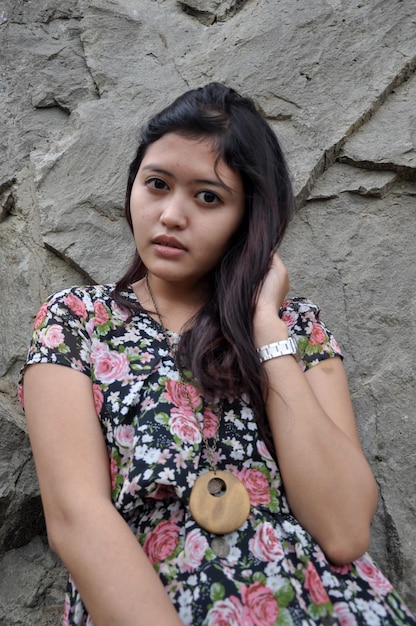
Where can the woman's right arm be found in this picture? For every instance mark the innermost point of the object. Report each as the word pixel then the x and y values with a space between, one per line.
pixel 116 581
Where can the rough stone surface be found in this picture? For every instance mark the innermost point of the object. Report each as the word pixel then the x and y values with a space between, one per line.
pixel 337 81
pixel 31 586
pixel 209 12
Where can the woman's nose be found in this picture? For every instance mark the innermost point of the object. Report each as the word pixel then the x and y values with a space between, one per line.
pixel 173 213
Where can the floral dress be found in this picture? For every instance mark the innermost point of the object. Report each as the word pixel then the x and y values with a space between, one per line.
pixel 268 572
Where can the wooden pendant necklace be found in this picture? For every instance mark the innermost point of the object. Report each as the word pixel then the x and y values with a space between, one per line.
pixel 219 502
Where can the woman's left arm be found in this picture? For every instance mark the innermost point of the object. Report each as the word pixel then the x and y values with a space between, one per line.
pixel 328 482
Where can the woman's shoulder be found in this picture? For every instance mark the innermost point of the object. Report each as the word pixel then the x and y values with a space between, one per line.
pixel 85 301
pixel 88 294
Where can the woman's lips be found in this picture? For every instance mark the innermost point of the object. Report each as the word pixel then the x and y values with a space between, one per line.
pixel 168 247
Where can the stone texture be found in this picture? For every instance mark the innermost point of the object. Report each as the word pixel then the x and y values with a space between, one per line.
pixel 337 82
pixel 32 589
pixel 388 141
pixel 209 12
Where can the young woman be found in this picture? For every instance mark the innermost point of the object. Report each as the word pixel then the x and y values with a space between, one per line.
pixel 197 456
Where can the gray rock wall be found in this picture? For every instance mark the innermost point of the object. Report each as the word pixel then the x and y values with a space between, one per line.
pixel 336 79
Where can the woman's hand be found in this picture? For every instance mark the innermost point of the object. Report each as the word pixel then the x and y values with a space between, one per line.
pixel 275 285
pixel 267 327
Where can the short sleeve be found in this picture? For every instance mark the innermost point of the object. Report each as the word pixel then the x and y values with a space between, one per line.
pixel 60 333
pixel 316 342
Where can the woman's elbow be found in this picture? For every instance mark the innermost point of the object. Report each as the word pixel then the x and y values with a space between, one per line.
pixel 343 550
pixel 350 537
pixel 55 532
pixel 53 546
pixel 66 524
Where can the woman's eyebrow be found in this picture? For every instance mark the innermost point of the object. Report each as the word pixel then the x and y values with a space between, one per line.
pixel 202 181
pixel 216 183
pixel 157 169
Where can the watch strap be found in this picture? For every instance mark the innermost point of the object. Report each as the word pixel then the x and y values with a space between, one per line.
pixel 279 348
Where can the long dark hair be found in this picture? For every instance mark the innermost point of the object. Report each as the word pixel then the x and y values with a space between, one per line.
pixel 217 344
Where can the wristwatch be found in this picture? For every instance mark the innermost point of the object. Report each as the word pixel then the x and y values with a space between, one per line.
pixel 279 348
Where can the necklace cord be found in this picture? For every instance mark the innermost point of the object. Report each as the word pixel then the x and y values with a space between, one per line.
pixel 209 449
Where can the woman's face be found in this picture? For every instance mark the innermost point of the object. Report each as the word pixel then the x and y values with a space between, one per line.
pixel 184 210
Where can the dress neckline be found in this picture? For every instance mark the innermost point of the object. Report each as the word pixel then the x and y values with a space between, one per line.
pixel 131 294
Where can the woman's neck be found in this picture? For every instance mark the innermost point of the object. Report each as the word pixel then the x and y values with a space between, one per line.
pixel 177 304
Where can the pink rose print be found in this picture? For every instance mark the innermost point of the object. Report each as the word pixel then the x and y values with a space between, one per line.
pixel 262 604
pixel 98 349
pixel 265 544
pixel 194 550
pixel 229 612
pixel 110 366
pixel 20 395
pixel 334 344
pixel 101 313
pixel 124 435
pixel 183 424
pixel 289 318
pixel 344 615
pixel 113 473
pixel 161 542
pixel 98 397
pixel 67 606
pixel 145 357
pixel 52 336
pixel 175 393
pixel 317 335
pixel 120 311
pixel 76 305
pixel 41 315
pixel 372 574
pixel 256 484
pixel 162 492
pixel 314 585
pixel 263 450
pixel 340 569
pixel 210 424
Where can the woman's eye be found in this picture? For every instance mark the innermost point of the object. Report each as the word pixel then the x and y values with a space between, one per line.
pixel 156 183
pixel 209 197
